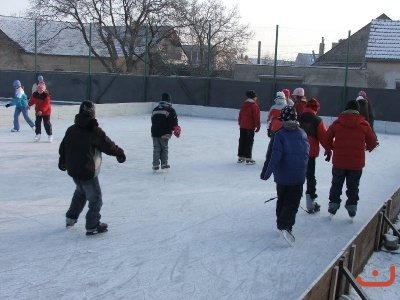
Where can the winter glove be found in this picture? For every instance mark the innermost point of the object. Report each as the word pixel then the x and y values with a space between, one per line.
pixel 177 131
pixel 8 105
pixel 61 166
pixel 328 155
pixel 39 113
pixel 269 132
pixel 121 158
pixel 257 129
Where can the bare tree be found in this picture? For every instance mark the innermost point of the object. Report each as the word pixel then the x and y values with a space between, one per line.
pixel 118 24
pixel 214 30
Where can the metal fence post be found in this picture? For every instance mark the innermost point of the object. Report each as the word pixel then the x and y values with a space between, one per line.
pixel 89 83
pixel 145 64
pixel 346 71
pixel 275 65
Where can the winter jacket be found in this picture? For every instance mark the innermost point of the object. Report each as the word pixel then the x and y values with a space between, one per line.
pixel 366 110
pixel 299 105
pixel 41 102
pixel 315 129
pixel 249 115
pixel 81 148
pixel 20 99
pixel 349 136
pixel 163 120
pixel 287 156
pixel 273 123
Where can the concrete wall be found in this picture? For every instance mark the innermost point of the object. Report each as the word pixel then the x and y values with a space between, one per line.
pixel 68 112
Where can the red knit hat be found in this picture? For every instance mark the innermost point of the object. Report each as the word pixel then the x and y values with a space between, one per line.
pixel 287 93
pixel 313 104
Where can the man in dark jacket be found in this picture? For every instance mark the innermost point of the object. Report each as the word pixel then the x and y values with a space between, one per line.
pixel 164 121
pixel 287 159
pixel 348 136
pixel 80 155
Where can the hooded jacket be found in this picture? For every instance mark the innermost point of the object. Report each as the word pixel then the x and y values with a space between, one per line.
pixel 315 129
pixel 273 123
pixel 349 136
pixel 41 102
pixel 287 157
pixel 81 148
pixel 249 115
pixel 20 99
pixel 163 120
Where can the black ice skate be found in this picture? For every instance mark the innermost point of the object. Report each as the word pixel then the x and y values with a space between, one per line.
pixel 101 228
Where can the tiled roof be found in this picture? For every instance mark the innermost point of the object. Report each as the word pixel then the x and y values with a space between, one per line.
pixel 384 40
pixel 60 38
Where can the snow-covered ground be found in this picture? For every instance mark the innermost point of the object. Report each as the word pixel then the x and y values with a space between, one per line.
pixel 198 231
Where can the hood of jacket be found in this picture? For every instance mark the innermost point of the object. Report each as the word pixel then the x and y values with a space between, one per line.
pixel 83 121
pixel 290 125
pixel 350 119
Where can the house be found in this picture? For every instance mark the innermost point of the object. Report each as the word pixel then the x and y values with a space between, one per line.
pixel 373 61
pixel 375 48
pixel 60 46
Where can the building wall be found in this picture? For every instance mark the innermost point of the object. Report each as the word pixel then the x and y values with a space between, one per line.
pixel 383 74
pixel 309 75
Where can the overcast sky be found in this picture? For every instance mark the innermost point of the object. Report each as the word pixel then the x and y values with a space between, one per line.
pixel 302 24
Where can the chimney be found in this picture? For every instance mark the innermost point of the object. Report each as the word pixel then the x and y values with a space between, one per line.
pixel 322 47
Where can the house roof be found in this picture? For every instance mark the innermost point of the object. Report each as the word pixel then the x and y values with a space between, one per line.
pixel 379 39
pixel 61 38
pixel 384 40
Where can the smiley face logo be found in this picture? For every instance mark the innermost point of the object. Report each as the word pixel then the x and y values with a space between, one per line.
pixel 375 273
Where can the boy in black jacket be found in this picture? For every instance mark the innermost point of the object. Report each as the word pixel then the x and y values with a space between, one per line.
pixel 164 121
pixel 80 155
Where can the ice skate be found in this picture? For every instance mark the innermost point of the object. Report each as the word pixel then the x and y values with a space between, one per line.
pixel 101 228
pixel 250 161
pixel 70 222
pixel 165 166
pixel 331 212
pixel 50 138
pixel 288 236
pixel 352 214
pixel 37 138
pixel 14 130
pixel 155 168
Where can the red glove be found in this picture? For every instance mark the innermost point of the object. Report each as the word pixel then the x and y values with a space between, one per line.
pixel 177 131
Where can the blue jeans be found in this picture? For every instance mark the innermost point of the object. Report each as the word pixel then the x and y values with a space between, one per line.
pixel 86 190
pixel 24 111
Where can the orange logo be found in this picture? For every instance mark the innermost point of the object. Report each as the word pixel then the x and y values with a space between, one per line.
pixel 378 283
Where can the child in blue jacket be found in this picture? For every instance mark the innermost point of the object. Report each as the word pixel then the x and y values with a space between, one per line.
pixel 20 102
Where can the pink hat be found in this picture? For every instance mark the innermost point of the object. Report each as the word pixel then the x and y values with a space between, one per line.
pixel 298 92
pixel 287 93
pixel 362 94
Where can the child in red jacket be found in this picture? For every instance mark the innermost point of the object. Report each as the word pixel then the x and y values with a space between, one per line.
pixel 349 136
pixel 41 100
pixel 249 122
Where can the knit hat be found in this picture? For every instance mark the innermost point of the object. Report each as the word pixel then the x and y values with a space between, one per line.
pixel 41 87
pixel 16 83
pixel 87 108
pixel 288 113
pixel 251 94
pixel 352 105
pixel 40 78
pixel 362 94
pixel 360 98
pixel 298 92
pixel 287 93
pixel 313 104
pixel 166 97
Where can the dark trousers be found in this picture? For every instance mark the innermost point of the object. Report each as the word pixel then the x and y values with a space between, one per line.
pixel 311 180
pixel 46 124
pixel 287 205
pixel 86 190
pixel 246 141
pixel 352 178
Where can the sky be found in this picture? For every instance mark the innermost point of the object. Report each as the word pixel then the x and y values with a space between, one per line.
pixel 198 231
pixel 302 24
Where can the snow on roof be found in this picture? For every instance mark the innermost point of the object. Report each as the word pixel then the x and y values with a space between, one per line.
pixel 384 40
pixel 62 38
